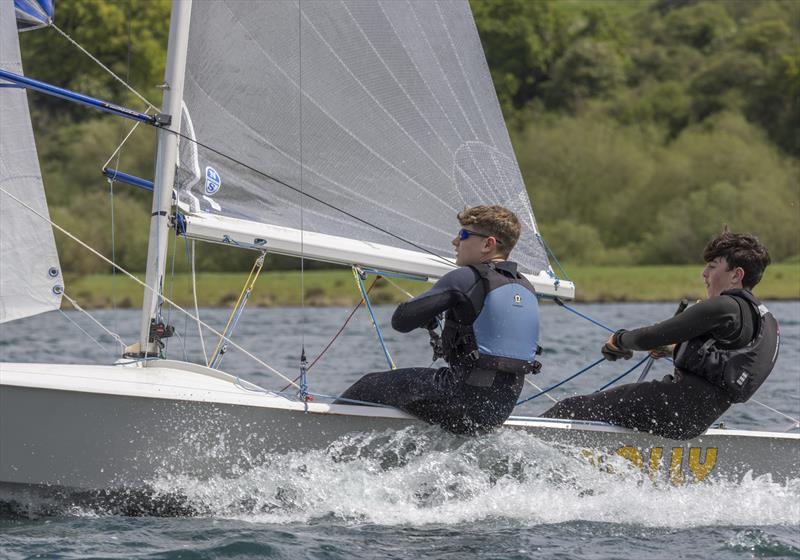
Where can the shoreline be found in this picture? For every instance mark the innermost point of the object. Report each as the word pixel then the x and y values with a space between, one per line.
pixel 336 287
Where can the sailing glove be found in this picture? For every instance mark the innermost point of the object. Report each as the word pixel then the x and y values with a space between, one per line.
pixel 612 351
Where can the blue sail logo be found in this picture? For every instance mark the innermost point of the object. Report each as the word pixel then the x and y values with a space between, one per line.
pixel 213 181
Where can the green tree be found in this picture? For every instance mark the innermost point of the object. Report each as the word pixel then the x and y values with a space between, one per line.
pixel 129 36
pixel 521 39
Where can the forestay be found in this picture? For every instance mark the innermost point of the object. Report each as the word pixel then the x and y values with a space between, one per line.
pixel 30 275
pixel 383 109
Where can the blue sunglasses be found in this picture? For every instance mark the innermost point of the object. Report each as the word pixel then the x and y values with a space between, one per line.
pixel 464 233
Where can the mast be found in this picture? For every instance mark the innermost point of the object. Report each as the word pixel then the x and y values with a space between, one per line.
pixel 166 158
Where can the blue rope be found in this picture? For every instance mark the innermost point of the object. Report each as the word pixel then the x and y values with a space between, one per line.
pixel 610 383
pixel 579 314
pixel 549 252
pixel 560 383
pixel 374 320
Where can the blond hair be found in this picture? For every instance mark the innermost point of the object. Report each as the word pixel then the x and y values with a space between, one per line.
pixel 497 221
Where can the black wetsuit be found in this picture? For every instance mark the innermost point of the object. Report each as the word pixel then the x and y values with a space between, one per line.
pixel 444 396
pixel 681 405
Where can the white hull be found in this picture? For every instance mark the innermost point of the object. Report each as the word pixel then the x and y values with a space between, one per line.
pixel 105 427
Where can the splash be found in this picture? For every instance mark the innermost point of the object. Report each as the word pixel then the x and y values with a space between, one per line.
pixel 420 476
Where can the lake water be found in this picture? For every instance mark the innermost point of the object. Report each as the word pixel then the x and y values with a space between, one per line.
pixel 500 496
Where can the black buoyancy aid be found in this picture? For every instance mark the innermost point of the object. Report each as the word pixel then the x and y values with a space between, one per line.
pixel 739 367
pixel 504 334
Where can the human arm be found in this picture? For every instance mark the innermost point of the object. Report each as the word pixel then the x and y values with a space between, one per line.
pixel 448 292
pixel 719 316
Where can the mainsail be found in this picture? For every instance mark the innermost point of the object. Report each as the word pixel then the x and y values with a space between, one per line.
pixel 30 275
pixel 381 113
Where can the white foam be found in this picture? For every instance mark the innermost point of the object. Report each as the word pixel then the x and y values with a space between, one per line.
pixel 415 477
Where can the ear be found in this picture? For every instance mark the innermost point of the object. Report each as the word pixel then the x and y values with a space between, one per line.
pixel 738 274
pixel 490 244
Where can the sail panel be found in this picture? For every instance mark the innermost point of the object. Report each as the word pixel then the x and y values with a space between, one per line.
pixel 381 113
pixel 30 274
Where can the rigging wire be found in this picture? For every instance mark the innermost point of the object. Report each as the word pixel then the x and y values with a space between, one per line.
pixel 89 336
pixel 146 286
pixel 357 272
pixel 535 386
pixel 307 195
pixel 194 298
pixel 793 419
pixel 303 195
pixel 103 66
pixel 111 192
pixel 75 304
pixel 237 310
pixel 341 329
pixel 151 106
pixel 124 141
pixel 303 393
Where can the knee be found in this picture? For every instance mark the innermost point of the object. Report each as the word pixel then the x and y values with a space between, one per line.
pixel 562 409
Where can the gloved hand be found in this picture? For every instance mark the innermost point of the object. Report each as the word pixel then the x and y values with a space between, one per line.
pixel 662 351
pixel 612 351
pixel 435 339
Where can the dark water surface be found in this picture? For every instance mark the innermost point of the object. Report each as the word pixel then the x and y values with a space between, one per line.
pixel 505 495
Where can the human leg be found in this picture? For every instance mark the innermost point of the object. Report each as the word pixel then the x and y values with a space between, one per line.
pixel 678 408
pixel 397 387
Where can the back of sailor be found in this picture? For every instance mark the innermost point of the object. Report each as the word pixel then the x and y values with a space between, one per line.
pixel 489 339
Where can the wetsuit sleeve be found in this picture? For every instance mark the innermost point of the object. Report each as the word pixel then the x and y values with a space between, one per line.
pixel 720 316
pixel 450 291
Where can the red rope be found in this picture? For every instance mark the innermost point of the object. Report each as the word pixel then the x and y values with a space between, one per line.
pixel 344 325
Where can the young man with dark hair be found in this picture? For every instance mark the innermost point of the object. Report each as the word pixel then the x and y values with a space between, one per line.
pixel 723 348
pixel 489 340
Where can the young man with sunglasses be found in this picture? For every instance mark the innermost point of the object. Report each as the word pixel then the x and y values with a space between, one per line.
pixel 489 339
pixel 723 349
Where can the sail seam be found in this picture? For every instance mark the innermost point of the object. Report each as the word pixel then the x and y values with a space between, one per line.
pixel 444 74
pixel 461 66
pixel 313 197
pixel 403 89
pixel 350 191
pixel 422 77
pixel 341 127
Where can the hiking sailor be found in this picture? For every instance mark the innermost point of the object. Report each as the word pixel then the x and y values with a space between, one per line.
pixel 489 339
pixel 724 348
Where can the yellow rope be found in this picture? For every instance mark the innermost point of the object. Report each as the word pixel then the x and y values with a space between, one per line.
pixel 248 287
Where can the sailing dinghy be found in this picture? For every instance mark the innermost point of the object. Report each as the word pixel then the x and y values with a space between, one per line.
pixel 348 132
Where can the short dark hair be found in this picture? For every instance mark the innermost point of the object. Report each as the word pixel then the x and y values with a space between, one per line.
pixel 739 249
pixel 499 222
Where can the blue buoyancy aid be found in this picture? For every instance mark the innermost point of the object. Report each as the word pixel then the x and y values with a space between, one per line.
pixel 738 366
pixel 504 334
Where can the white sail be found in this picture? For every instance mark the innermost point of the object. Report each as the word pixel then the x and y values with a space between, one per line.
pixel 382 113
pixel 30 275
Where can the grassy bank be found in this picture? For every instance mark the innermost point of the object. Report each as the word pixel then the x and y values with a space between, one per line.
pixel 337 287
